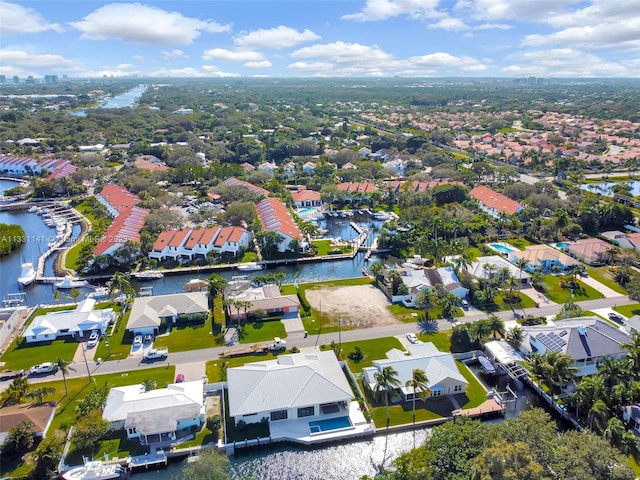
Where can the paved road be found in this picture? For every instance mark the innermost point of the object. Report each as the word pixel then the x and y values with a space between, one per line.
pixel 186 362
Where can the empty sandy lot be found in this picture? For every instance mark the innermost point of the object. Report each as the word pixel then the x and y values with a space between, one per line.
pixel 359 306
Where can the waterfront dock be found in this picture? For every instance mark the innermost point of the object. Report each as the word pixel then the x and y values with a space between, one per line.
pixel 487 408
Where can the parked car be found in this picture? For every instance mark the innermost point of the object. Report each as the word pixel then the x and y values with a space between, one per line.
pixel 615 317
pixel 156 354
pixel 179 378
pixel 464 304
pixel 93 339
pixel 147 339
pixel 412 337
pixel 43 368
pixel 137 340
pixel 10 374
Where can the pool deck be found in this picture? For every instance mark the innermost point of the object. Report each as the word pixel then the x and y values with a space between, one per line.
pixel 298 430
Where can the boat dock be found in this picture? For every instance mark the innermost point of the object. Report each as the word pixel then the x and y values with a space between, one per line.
pixel 488 407
pixel 148 460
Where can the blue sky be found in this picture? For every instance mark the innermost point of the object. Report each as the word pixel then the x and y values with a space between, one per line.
pixel 330 38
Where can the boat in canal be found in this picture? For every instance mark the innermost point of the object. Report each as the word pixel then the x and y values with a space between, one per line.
pixel 27 275
pixel 68 283
pixel 250 267
pixel 195 285
pixel 96 470
pixel 148 275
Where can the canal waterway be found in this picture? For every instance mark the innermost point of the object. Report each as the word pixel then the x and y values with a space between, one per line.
pixel 606 188
pixel 124 100
pixel 7 184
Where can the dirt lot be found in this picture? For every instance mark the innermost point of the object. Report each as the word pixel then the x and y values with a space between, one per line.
pixel 359 306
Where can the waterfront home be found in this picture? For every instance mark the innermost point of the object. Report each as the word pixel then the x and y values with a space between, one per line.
pixel 418 279
pixel 415 185
pixel 267 299
pixel 631 416
pixel 444 377
pixel 275 217
pixel 27 166
pixel 38 415
pixel 589 250
pixel 490 266
pixel 128 219
pixel 352 191
pixel 543 258
pixel 69 323
pixel 148 314
pixel 191 243
pixel 156 416
pixel 234 182
pixel 306 198
pixel 623 240
pixel 587 340
pixel 495 203
pixel 295 386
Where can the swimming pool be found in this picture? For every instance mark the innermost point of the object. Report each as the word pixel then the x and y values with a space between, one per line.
pixel 502 248
pixel 562 246
pixel 337 423
pixel 307 211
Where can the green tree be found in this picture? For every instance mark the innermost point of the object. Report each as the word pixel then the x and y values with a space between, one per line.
pixel 64 366
pixel 121 282
pixel 419 384
pixel 47 456
pixel 15 392
pixel 39 393
pixel 148 384
pixel 210 465
pixel 89 429
pixel 386 384
pixel 20 438
pixel 512 461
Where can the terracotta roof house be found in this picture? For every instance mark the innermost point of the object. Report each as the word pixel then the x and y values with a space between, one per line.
pixel 495 203
pixel 352 190
pixel 589 250
pixel 543 257
pixel 189 243
pixel 440 369
pixel 587 340
pixel 40 415
pixel 306 198
pixel 275 217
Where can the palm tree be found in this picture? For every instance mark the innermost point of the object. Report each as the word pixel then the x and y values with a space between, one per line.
pixel 41 392
pixel 633 354
pixel 496 325
pixel 122 282
pixel 148 384
pixel 56 296
pixel 215 286
pixel 75 293
pixel 64 367
pixel 386 383
pixel 419 383
pixel 560 369
pixel 515 336
pixel 562 220
pixel 425 300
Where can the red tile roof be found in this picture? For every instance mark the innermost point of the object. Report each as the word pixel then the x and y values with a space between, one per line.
pixel 163 240
pixel 305 196
pixel 194 238
pixel 275 217
pixel 126 226
pixel 494 200
pixel 119 197
pixel 178 238
pixel 353 187
pixel 228 234
pixel 209 235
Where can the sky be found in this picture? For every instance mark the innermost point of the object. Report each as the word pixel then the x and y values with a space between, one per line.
pixel 327 38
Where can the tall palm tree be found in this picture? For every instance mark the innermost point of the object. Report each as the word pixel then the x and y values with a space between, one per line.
pixel 122 282
pixel 386 383
pixel 515 336
pixel 148 384
pixel 560 369
pixel 419 384
pixel 425 300
pixel 633 354
pixel 40 393
pixel 496 325
pixel 64 367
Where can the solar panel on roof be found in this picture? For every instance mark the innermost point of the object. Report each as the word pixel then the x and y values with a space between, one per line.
pixel 551 341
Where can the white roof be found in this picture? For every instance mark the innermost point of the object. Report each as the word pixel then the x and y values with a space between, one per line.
pixel 72 321
pixel 438 366
pixel 123 402
pixel 477 268
pixel 147 311
pixel 291 381
pixel 502 352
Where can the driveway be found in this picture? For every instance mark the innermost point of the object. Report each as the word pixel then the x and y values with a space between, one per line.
pixel 606 291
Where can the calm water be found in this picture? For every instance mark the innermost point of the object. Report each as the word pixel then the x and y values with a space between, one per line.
pixel 125 100
pixel 38 236
pixel 6 185
pixel 605 188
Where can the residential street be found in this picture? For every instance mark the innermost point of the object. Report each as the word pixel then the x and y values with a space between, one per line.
pixel 187 362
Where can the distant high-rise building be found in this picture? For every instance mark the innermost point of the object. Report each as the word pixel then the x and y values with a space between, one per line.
pixel 3 79
pixel 16 79
pixel 51 79
pixel 30 80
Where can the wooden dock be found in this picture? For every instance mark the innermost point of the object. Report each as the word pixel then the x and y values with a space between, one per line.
pixel 489 407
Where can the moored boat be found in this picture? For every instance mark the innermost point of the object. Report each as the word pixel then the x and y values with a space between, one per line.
pixel 68 282
pixel 148 275
pixel 195 285
pixel 95 470
pixel 99 293
pixel 249 267
pixel 27 275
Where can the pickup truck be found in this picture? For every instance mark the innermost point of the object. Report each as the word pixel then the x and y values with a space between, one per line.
pixel 10 374
pixel 47 367
pixel 277 345
pixel 156 354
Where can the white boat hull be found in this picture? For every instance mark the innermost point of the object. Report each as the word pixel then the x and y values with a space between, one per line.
pixel 27 275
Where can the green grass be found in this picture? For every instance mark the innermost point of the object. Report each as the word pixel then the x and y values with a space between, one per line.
pixel 404 314
pixel 324 248
pixel 603 275
pixel 262 331
pixel 21 354
pixel 249 257
pixel 628 310
pixel 98 227
pixel 441 340
pixel 520 243
pixel 119 342
pixel 525 302
pixel 476 394
pixel 191 336
pixel 562 295
pixel 374 349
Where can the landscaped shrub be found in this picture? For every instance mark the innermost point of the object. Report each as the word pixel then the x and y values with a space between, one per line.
pixel 356 356
pixel 214 423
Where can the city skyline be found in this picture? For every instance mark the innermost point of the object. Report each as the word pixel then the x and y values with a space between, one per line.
pixel 364 38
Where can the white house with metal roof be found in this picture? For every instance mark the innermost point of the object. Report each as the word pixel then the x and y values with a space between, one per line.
pixel 296 386
pixel 148 313
pixel 588 340
pixel 73 323
pixel 155 416
pixel 440 368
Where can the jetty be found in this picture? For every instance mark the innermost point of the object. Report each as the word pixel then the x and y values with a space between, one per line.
pixel 486 408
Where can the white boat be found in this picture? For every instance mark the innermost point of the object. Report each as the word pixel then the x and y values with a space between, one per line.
pixel 32 209
pixel 148 275
pixel 68 282
pixel 95 470
pixel 27 275
pixel 195 285
pixel 249 267
pixel 99 292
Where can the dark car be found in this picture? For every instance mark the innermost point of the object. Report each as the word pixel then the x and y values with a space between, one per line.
pixel 615 317
pixel 11 374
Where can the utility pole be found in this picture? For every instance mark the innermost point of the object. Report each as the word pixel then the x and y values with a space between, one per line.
pixel 85 362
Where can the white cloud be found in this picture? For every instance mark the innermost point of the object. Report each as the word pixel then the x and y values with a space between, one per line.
pixel 139 58
pixel 445 60
pixel 343 53
pixel 568 62
pixel 521 10
pixel 382 9
pixel 35 62
pixel 258 65
pixel 279 37
pixel 137 23
pixel 16 19
pixel 450 23
pixel 232 55
pixel 176 53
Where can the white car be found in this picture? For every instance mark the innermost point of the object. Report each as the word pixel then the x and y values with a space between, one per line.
pixel 46 367
pixel 412 338
pixel 93 339
pixel 137 340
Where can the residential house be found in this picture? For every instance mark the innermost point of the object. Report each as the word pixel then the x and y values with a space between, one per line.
pixel 591 251
pixel 490 266
pixel 543 258
pixel 309 168
pixel 630 416
pixel 444 377
pixel 395 167
pixel 306 198
pixel 39 415
pixel 234 182
pixel 364 152
pixel 11 165
pixel 155 416
pixel 623 240
pixel 247 167
pixel 267 299
pixel 495 203
pixel 275 217
pixel 356 190
pixel 268 167
pixel 418 279
pixel 289 169
pixel 349 166
pixel 128 219
pixel 297 386
pixel 587 340
pixel 148 314
pixel 76 323
pixel 415 185
pixel 191 243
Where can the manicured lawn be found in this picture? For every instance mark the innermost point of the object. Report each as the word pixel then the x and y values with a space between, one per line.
pixel 562 295
pixel 249 257
pixel 21 354
pixel 324 248
pixel 476 394
pixel 119 342
pixel 441 340
pixel 519 242
pixel 404 314
pixel 603 275
pixel 525 302
pixel 628 310
pixel 373 349
pixel 190 336
pixel 262 331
